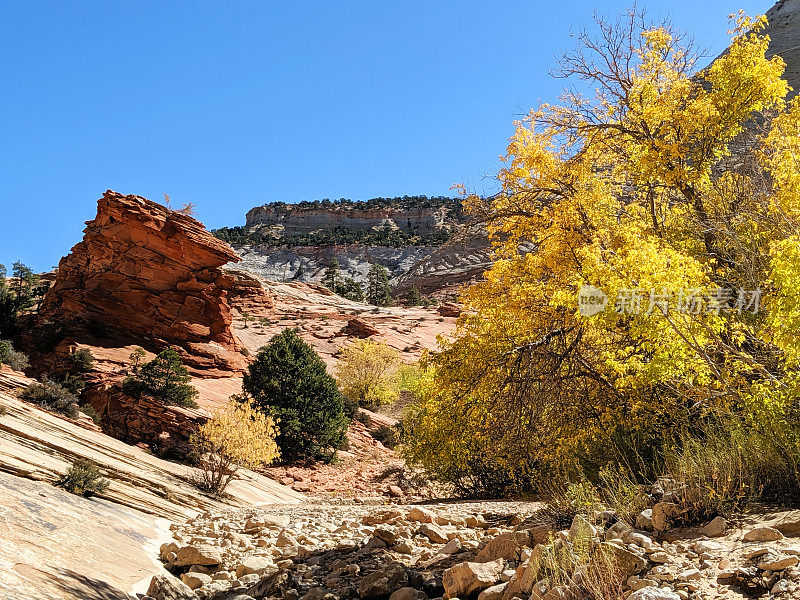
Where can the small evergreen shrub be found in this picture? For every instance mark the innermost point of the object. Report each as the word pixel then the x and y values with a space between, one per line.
pixel 82 360
pixel 8 356
pixel 84 478
pixel 164 378
pixel 90 412
pixel 52 396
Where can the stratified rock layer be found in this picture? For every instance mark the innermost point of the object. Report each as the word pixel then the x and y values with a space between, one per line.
pixel 151 275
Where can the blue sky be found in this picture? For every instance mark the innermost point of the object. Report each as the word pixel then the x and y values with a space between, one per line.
pixel 233 104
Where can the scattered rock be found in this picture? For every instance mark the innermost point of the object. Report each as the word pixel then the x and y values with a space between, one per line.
pixel 467 579
pixel 763 534
pixel 716 528
pixel 167 587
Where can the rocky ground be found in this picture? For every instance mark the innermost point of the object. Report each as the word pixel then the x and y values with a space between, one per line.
pixel 488 551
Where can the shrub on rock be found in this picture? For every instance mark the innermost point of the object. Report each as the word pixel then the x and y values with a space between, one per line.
pixel 165 378
pixel 52 396
pixel 84 478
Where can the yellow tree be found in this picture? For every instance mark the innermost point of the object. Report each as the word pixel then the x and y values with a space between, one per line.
pixel 669 192
pixel 236 436
pixel 368 373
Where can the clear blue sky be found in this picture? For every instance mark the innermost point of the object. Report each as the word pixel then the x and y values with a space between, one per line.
pixel 233 104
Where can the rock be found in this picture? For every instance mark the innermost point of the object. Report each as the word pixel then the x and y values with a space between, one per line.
pixel 506 546
pixel 716 527
pixel 467 579
pixel 778 563
pixel 408 593
pixel 420 515
pixel 195 580
pixel 653 593
pixel 383 583
pixel 628 562
pixel 387 535
pixel 703 546
pixel 476 522
pixel 644 520
pixel 199 554
pixel 492 593
pixel 433 533
pixel 395 491
pixel 167 587
pixel 359 329
pixel 663 513
pixel 581 528
pixel 253 564
pixel 149 273
pixel 763 534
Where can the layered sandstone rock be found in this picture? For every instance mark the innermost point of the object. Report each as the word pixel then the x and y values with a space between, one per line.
pixel 152 276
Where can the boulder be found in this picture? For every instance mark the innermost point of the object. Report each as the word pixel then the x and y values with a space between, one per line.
pixel 763 534
pixel 653 593
pixel 628 562
pixel 167 587
pixel 383 583
pixel 197 554
pixel 408 593
pixel 663 513
pixel 195 580
pixel 152 275
pixel 716 528
pixel 493 593
pixel 434 533
pixel 420 515
pixel 506 545
pixel 468 579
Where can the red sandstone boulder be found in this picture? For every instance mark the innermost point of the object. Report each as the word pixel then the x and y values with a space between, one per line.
pixel 150 275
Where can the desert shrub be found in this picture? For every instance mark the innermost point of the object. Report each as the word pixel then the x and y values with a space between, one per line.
pixel 84 478
pixel 731 466
pixel 73 383
pixel 82 360
pixel 90 412
pixel 52 396
pixel 289 382
pixel 564 499
pixel 14 359
pixel 237 436
pixel 368 373
pixel 164 378
pixel 387 435
pixel 621 494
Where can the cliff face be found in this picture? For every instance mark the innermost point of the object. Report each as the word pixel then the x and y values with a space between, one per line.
pixel 150 275
pixel 291 220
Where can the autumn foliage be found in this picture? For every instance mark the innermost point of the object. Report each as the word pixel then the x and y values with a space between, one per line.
pixel 679 186
pixel 236 436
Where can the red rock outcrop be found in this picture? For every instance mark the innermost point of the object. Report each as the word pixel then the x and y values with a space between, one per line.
pixel 152 276
pixel 248 295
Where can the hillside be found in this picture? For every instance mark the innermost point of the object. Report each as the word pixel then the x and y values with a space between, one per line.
pixel 424 242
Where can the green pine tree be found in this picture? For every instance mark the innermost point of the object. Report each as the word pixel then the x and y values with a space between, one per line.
pixel 378 289
pixel 332 275
pixel 289 381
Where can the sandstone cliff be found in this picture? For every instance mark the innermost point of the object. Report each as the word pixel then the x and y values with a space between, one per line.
pixel 151 276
